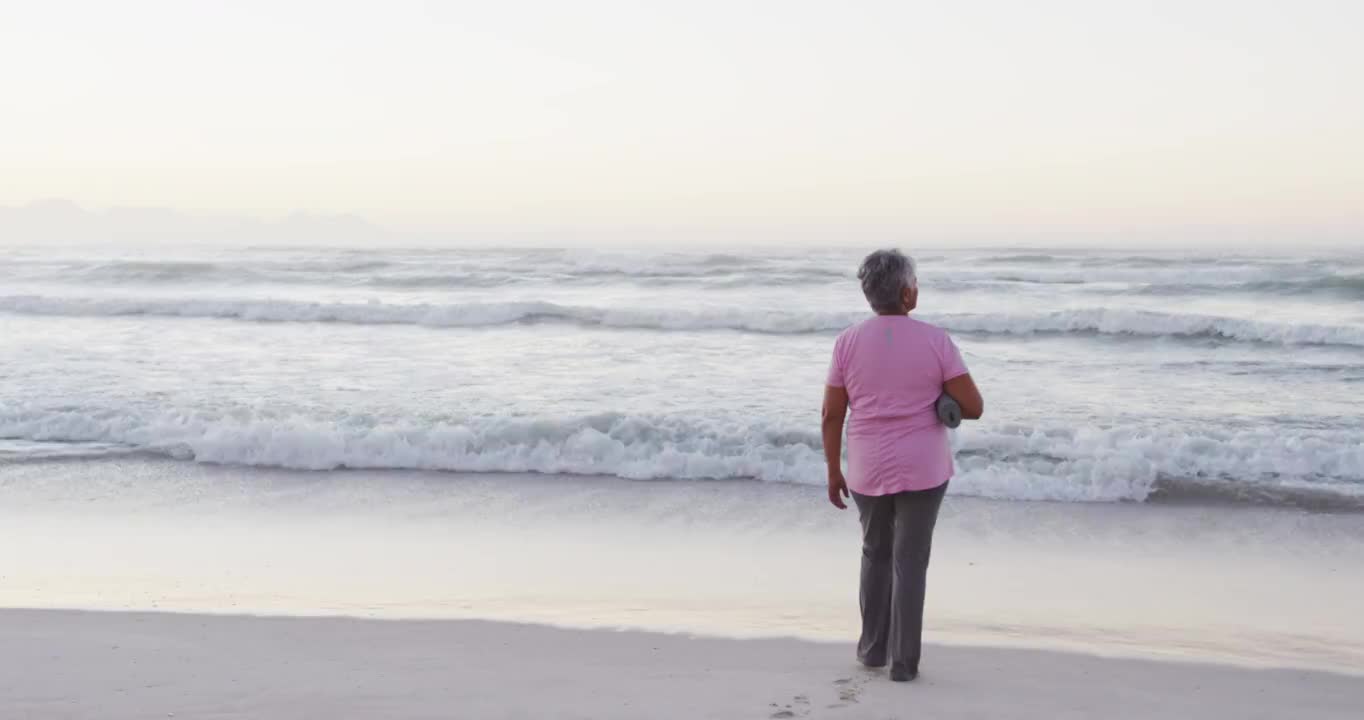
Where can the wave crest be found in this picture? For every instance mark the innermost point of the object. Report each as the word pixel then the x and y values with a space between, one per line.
pixel 1107 322
pixel 1011 462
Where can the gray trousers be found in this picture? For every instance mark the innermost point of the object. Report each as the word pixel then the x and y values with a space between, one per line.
pixel 897 537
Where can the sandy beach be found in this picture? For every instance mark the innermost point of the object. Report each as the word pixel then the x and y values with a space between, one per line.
pixel 228 593
pixel 62 664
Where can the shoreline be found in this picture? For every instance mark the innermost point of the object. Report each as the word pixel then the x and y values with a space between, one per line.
pixel 1255 587
pixel 113 665
pixel 1166 492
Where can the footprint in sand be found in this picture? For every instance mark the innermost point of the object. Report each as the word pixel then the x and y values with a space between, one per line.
pixel 849 692
pixel 788 712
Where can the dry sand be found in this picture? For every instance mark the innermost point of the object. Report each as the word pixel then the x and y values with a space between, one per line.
pixel 71 664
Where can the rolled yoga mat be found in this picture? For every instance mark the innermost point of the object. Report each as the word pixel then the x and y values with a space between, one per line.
pixel 949 412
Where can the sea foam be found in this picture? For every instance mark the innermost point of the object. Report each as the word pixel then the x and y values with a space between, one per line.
pixel 1013 462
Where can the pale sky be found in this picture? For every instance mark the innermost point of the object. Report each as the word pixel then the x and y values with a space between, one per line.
pixel 598 113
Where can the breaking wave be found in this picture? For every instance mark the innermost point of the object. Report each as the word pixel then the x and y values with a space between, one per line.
pixel 1010 462
pixel 1103 322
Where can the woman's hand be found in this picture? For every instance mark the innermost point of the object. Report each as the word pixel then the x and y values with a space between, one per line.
pixel 838 489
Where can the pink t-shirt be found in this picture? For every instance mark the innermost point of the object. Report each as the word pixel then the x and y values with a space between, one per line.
pixel 894 367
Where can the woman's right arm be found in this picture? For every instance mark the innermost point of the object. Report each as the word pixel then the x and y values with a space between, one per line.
pixel 963 389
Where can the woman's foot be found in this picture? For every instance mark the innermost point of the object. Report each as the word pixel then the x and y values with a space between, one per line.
pixel 872 663
pixel 900 672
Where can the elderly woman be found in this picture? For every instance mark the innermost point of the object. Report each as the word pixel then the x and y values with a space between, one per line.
pixel 890 371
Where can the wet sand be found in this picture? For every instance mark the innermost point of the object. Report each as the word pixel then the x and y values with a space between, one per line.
pixel 71 664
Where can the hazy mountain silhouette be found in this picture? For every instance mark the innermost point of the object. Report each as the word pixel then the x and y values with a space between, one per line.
pixel 62 221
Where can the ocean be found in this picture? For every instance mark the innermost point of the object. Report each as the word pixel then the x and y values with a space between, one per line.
pixel 1113 377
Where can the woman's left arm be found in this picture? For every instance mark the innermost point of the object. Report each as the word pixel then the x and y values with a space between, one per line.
pixel 834 414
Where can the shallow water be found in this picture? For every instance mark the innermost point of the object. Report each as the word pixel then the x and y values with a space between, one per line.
pixel 1108 376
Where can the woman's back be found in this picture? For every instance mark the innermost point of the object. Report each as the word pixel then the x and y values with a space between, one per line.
pixel 893 368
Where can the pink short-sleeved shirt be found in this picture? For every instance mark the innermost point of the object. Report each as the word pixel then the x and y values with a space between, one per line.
pixel 893 368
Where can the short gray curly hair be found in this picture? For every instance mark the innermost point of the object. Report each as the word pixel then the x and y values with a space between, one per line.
pixel 884 274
